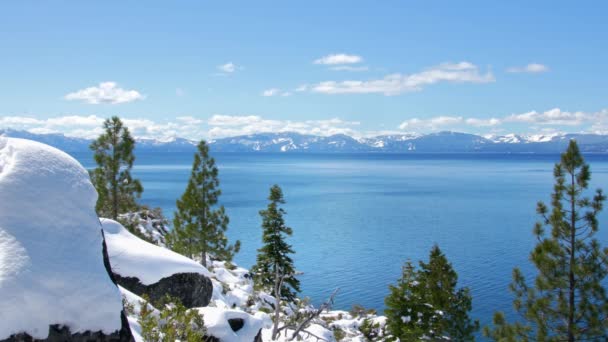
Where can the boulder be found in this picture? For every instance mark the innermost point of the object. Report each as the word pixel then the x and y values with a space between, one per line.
pixel 54 280
pixel 192 289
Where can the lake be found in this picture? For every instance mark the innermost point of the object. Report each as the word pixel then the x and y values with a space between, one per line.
pixel 358 217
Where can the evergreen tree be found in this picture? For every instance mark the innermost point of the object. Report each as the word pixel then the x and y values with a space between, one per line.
pixel 172 322
pixel 567 301
pixel 426 304
pixel 274 269
pixel 199 224
pixel 113 153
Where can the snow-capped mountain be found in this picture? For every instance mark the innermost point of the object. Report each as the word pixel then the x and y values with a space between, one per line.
pixel 290 142
pixel 519 139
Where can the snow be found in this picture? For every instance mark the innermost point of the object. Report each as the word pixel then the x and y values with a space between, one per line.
pixel 543 137
pixel 216 322
pixel 319 331
pixel 51 263
pixel 518 139
pixel 133 257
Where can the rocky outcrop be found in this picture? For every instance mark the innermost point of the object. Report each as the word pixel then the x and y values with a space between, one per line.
pixel 192 289
pixel 62 334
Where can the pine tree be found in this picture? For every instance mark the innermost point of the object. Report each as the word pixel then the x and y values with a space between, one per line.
pixel 426 304
pixel 274 269
pixel 199 225
pixel 113 153
pixel 567 301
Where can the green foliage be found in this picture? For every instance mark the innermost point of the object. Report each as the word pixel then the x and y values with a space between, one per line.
pixel 199 225
pixel 567 301
pixel 174 322
pixel 357 310
pixel 339 334
pixel 113 153
pixel 370 330
pixel 150 326
pixel 230 266
pixel 274 266
pixel 426 303
pixel 225 288
pixel 128 308
pixel 265 310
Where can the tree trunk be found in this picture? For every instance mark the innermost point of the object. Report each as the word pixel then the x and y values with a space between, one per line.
pixel 277 305
pixel 204 259
pixel 115 168
pixel 571 293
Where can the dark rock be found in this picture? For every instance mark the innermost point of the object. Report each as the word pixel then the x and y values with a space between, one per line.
pixel 192 289
pixel 258 337
pixel 59 333
pixel 236 324
pixel 125 330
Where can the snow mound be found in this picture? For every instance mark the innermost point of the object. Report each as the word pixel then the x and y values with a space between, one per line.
pixel 51 263
pixel 216 322
pixel 132 257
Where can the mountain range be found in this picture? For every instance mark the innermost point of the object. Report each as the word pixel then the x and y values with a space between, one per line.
pixel 441 142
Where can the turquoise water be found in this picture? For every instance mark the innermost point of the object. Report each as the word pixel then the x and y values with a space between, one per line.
pixel 358 217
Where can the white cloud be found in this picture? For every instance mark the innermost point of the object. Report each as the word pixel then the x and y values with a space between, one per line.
pixel 430 124
pixel 276 92
pixel 227 68
pixel 533 120
pixel 234 125
pixel 395 84
pixel 271 92
pixel 303 87
pixel 483 122
pixel 532 68
pixel 556 116
pixel 105 92
pixel 233 120
pixel 75 125
pixel 90 126
pixel 190 120
pixel 339 58
pixel 217 126
pixel 349 68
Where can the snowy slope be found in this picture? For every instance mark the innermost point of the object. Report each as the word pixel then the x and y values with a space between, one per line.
pixel 132 257
pixel 51 264
pixel 233 293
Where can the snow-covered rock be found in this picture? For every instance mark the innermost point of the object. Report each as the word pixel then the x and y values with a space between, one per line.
pixel 231 325
pixel 131 256
pixel 51 262
pixel 142 267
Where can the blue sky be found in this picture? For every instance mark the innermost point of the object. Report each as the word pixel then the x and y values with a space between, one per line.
pixel 201 69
